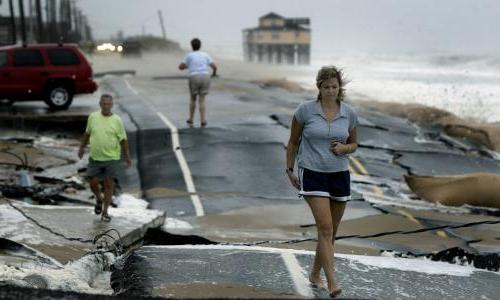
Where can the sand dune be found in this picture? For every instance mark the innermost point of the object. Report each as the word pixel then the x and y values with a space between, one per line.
pixel 478 189
pixel 485 134
pixel 291 86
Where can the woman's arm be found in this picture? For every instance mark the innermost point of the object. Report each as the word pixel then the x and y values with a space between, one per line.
pixel 214 69
pixel 352 141
pixel 291 151
pixel 350 146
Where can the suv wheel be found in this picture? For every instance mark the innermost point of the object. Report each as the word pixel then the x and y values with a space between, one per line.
pixel 59 97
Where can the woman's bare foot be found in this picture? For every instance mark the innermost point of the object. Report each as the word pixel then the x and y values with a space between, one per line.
pixel 316 282
pixel 335 292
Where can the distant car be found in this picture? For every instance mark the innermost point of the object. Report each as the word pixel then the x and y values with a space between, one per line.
pixel 49 72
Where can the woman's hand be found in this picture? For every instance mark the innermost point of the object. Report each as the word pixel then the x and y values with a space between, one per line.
pixel 338 148
pixel 294 180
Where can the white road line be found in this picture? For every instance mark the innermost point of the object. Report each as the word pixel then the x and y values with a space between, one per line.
pixel 288 255
pixel 233 247
pixel 130 87
pixel 188 178
pixel 176 147
pixel 299 280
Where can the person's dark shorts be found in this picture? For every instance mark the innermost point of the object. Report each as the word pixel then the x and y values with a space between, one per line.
pixel 102 169
pixel 336 185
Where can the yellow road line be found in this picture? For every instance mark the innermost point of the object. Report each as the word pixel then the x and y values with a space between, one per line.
pixel 356 164
pixel 378 190
pixel 359 165
pixel 409 216
pixel 439 233
pixel 442 234
pixel 352 170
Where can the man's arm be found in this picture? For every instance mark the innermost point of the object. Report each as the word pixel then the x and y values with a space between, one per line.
pixel 214 69
pixel 182 66
pixel 83 143
pixel 124 144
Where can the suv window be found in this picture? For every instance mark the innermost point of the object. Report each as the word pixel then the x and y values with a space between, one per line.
pixel 3 58
pixel 28 58
pixel 63 57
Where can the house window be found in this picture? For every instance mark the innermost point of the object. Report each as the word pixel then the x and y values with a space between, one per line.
pixel 275 35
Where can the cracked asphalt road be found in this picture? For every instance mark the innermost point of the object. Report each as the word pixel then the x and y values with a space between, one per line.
pixel 236 165
pixel 236 193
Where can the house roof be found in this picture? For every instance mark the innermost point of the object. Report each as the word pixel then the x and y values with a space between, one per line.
pixel 271 15
pixel 279 28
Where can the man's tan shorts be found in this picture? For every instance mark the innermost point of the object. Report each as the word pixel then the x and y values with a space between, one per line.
pixel 199 84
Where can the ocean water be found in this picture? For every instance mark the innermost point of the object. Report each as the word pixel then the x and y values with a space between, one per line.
pixel 466 85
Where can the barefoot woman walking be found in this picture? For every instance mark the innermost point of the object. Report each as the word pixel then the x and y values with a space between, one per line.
pixel 197 63
pixel 323 133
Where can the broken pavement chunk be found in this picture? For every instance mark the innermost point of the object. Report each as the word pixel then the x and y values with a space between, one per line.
pixel 478 189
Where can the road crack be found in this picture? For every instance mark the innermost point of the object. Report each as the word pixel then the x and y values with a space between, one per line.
pixel 72 239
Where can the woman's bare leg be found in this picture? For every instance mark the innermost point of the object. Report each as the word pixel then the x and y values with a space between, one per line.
pixel 203 119
pixel 315 276
pixel 192 108
pixel 336 211
pixel 320 208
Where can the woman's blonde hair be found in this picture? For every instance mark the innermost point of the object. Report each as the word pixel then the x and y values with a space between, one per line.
pixel 330 72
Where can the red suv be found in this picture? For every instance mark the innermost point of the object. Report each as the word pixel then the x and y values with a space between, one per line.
pixel 50 72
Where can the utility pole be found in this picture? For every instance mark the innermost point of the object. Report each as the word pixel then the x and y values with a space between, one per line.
pixel 48 35
pixel 81 29
pixel 70 20
pixel 88 31
pixel 23 23
pixel 162 25
pixel 75 21
pixel 31 25
pixel 53 22
pixel 13 23
pixel 39 26
pixel 64 19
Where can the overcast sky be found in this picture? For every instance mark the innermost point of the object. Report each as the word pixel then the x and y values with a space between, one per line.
pixel 360 26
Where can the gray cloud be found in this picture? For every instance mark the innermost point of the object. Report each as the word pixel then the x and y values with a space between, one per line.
pixel 357 26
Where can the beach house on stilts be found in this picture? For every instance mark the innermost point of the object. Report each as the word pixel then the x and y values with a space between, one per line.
pixel 278 40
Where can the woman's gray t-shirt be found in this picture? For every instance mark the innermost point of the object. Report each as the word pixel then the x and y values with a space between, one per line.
pixel 318 133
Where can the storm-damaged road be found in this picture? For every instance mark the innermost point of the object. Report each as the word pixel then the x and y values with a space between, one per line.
pixel 234 225
pixel 226 183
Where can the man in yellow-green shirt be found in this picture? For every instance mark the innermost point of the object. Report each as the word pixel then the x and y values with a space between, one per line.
pixel 108 138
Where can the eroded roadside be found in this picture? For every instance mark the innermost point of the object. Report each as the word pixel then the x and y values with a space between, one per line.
pixel 50 237
pixel 385 218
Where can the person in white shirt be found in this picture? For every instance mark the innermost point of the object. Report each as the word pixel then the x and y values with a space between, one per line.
pixel 197 63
